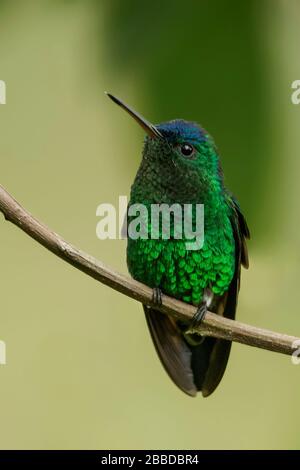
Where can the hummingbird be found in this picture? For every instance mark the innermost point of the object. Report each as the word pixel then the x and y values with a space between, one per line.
pixel 181 165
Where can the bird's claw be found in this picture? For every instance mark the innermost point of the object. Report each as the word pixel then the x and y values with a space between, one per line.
pixel 157 296
pixel 198 317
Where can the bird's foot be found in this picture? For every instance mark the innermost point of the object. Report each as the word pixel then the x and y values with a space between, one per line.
pixel 157 296
pixel 198 317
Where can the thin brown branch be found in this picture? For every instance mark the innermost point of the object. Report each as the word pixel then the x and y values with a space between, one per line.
pixel 213 325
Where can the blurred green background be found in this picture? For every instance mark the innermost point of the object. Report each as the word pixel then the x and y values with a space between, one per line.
pixel 81 370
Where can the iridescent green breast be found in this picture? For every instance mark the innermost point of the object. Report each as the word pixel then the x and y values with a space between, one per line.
pixel 183 273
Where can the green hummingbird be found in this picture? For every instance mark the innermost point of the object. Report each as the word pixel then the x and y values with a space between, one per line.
pixel 180 165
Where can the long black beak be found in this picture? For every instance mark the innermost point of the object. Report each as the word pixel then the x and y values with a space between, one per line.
pixel 151 130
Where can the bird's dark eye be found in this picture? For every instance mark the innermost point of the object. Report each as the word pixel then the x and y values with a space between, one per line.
pixel 186 149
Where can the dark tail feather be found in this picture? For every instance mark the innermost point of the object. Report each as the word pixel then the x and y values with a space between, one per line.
pixel 192 368
pixel 216 355
pixel 172 349
pixel 201 360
